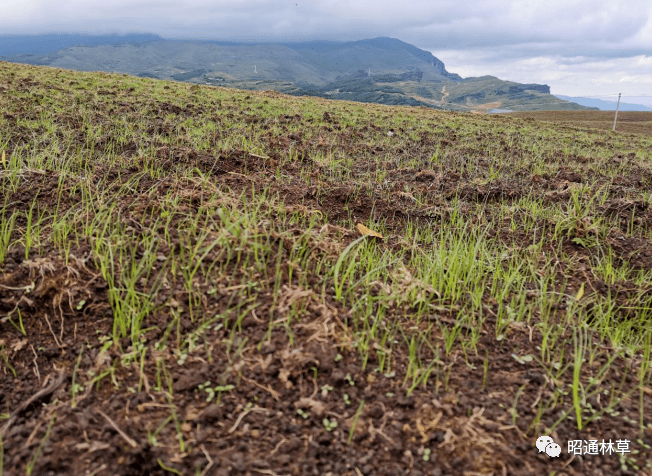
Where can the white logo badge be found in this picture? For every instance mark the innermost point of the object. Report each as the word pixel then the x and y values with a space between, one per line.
pixel 545 443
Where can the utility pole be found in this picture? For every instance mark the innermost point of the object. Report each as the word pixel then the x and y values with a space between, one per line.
pixel 616 117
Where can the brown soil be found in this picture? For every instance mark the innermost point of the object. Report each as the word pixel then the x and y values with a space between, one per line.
pixel 149 412
pixel 633 122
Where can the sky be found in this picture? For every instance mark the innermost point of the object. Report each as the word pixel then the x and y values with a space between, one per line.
pixel 579 47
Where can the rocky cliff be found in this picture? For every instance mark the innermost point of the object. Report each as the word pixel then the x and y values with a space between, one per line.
pixel 392 44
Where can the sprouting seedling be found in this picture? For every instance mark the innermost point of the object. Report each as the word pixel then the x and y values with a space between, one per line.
pixel 330 425
pixel 426 454
pixel 349 379
pixel 211 391
pixel 338 357
pixel 182 358
pixel 211 394
pixel 325 389
pixel 159 345
pixel 222 388
pixel 303 413
pixel 347 400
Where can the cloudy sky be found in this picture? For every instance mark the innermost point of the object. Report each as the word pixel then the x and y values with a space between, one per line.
pixel 594 48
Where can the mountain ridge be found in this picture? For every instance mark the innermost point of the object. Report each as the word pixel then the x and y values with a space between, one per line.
pixel 39 44
pixel 396 72
pixel 604 105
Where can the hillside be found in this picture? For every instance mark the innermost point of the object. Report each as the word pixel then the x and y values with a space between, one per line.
pixel 379 70
pixel 203 280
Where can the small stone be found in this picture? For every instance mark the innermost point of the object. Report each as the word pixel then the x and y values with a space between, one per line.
pixel 211 413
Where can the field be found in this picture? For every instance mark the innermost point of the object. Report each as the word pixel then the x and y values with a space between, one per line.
pixel 634 122
pixel 205 281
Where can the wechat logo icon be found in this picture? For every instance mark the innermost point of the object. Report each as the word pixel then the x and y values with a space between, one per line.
pixel 545 443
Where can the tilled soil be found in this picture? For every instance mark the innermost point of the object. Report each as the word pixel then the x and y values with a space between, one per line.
pixel 260 392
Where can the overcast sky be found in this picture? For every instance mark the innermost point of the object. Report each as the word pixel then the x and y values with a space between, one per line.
pixel 578 47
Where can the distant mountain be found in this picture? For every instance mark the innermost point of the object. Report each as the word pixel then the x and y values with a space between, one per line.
pixel 314 63
pixel 382 70
pixel 604 105
pixel 39 44
pixel 392 53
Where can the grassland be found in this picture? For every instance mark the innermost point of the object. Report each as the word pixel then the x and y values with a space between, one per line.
pixel 186 288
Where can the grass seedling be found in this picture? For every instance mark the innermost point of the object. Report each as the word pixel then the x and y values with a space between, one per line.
pixel 485 368
pixel 37 454
pixel 168 468
pixel 355 422
pixel 643 375
pixel 20 327
pixel 579 341
pixel 513 412
pixel 339 284
pixel 151 437
pixel 75 387
pixel 6 361
pixel 29 237
pixel 6 229
pixel 177 424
